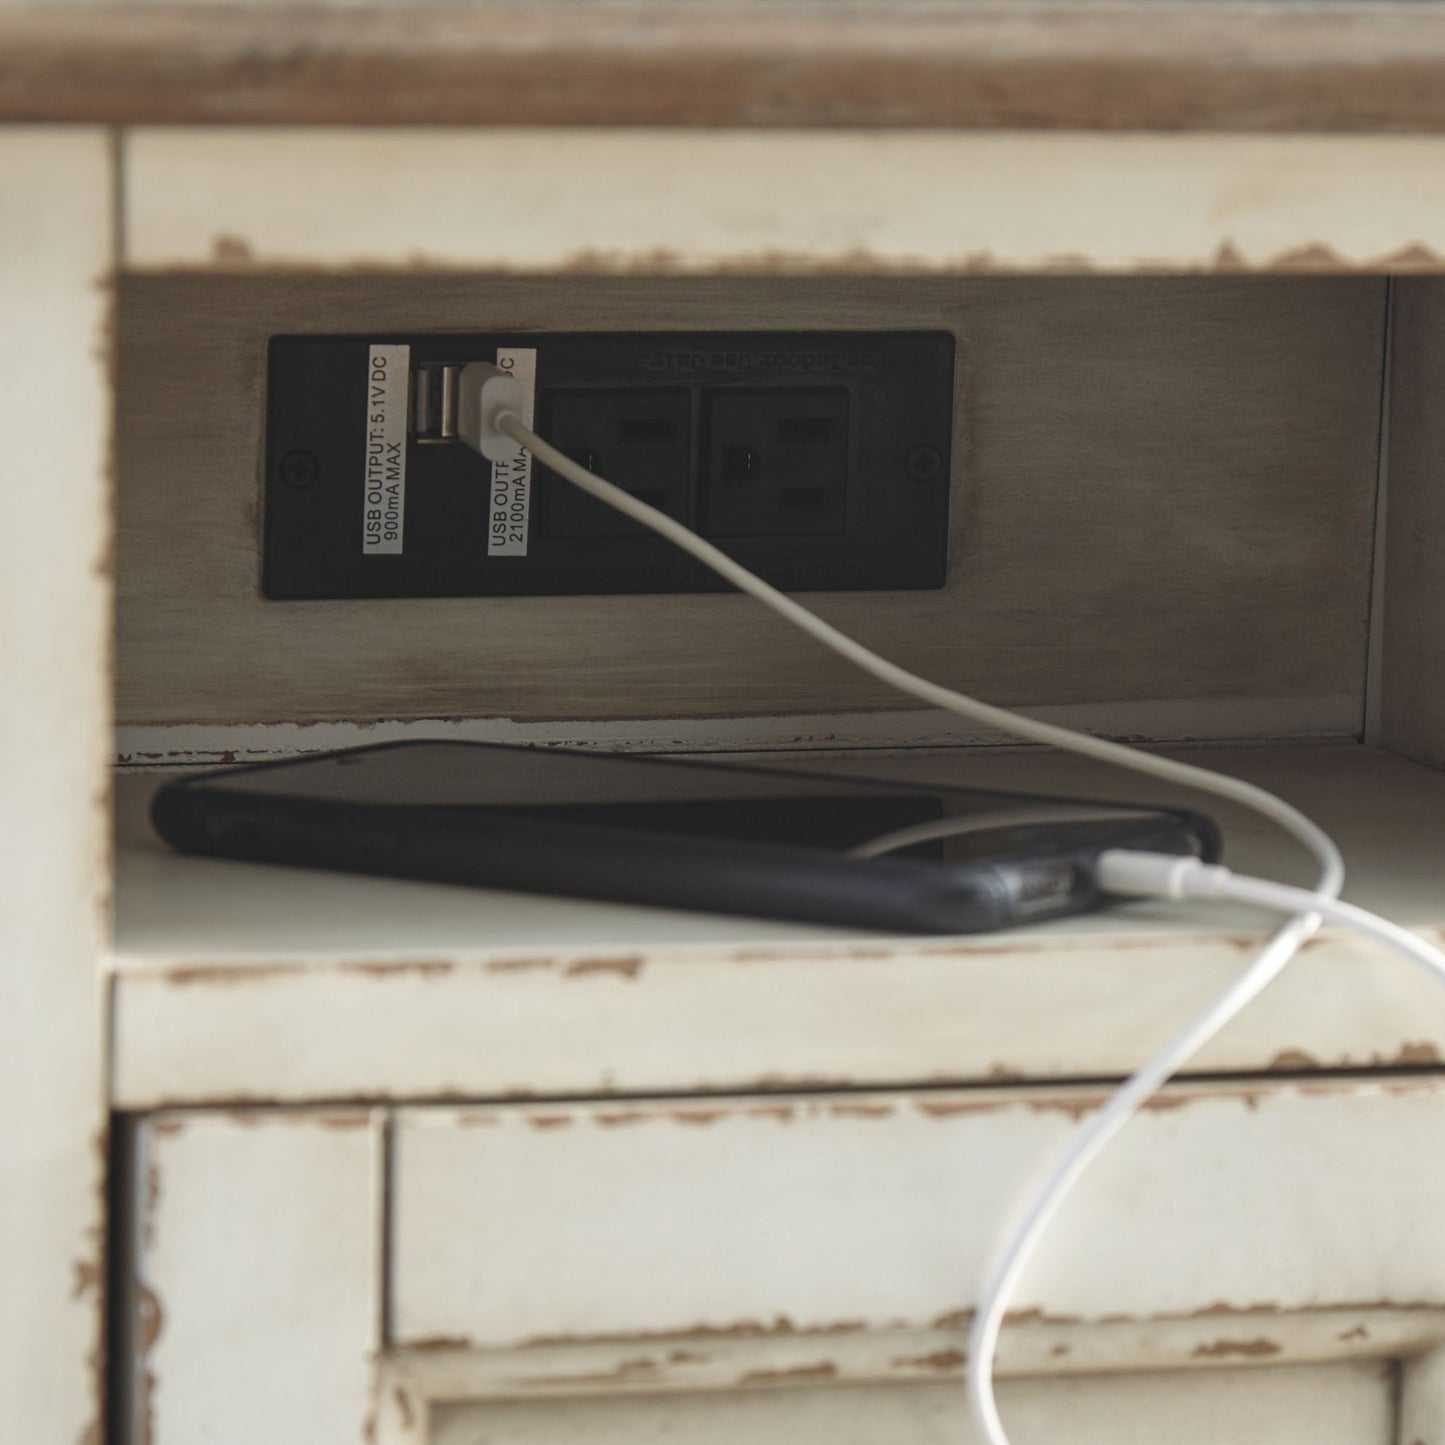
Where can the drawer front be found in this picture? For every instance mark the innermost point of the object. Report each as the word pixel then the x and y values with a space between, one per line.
pixel 249 1278
pixel 703 1269
pixel 1346 1404
pixel 834 1213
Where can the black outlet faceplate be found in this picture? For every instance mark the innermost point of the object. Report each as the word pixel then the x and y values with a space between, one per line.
pixel 819 460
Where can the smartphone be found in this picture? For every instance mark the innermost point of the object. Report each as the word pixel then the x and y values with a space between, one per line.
pixel 673 833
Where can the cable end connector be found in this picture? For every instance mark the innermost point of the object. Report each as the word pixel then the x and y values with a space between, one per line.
pixel 485 394
pixel 1129 874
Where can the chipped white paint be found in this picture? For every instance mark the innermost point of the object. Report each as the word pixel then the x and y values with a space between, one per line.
pixel 782 201
pixel 55 242
pixel 234 980
pixel 256 1278
pixel 648 1015
pixel 257 1241
pixel 1319 1405
pixel 876 1211
pixel 437 1373
pixel 187 744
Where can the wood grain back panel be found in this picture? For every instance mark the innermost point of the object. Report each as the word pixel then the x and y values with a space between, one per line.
pixel 1413 672
pixel 1163 491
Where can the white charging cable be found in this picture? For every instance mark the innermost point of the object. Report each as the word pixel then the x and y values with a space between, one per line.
pixel 489 420
pixel 1129 874
pixel 938 829
pixel 490 404
pixel 1155 875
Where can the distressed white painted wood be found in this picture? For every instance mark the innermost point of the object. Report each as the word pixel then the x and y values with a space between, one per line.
pixel 259 1236
pixel 1267 65
pixel 1318 1405
pixel 235 980
pixel 1422 1399
pixel 818 1214
pixel 416 1379
pixel 55 252
pixel 187 745
pixel 256 1277
pixel 782 201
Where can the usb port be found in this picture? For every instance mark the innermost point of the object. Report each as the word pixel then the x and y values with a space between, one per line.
pixel 434 402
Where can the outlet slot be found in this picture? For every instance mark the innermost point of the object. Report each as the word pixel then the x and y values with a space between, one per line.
pixel 804 430
pixel 645 430
pixel 740 466
pixel 804 499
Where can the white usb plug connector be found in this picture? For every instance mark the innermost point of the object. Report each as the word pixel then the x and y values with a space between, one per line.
pixel 485 393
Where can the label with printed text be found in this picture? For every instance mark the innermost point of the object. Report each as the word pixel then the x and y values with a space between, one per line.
pixel 511 495
pixel 388 378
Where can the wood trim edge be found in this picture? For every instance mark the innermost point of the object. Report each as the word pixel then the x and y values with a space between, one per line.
pixel 1127 65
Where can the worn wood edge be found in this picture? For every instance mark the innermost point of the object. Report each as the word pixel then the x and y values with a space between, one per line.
pixel 302 201
pixel 775 1354
pixel 239 970
pixel 1122 66
pixel 56 234
pixel 1297 720
pixel 219 1004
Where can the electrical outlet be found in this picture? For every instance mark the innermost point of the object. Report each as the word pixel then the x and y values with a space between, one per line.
pixel 777 462
pixel 640 439
pixel 820 460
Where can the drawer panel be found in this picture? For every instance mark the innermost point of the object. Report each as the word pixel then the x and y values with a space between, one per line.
pixel 836 1212
pixel 248 1274
pixel 1351 1404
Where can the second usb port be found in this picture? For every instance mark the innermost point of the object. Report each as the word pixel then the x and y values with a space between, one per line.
pixel 434 402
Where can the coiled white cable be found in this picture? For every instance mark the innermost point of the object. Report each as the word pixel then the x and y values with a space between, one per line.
pixel 490 408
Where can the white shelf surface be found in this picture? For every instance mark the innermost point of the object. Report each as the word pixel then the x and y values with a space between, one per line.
pixel 237 982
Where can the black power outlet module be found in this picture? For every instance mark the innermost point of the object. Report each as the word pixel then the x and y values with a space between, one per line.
pixel 819 460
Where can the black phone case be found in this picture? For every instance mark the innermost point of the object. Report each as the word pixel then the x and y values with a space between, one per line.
pixel 498 847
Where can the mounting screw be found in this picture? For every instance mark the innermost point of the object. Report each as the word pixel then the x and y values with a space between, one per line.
pixel 923 463
pixel 299 469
